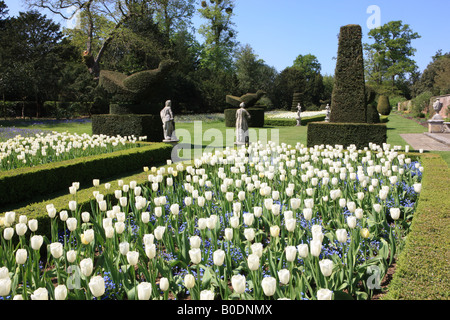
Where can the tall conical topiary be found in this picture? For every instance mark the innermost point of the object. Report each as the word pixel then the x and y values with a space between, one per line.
pixel 348 101
pixel 384 106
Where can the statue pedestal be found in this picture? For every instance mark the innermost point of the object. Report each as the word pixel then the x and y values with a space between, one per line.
pixel 172 142
pixel 435 126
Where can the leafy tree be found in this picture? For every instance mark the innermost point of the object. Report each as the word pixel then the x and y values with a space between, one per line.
pixel 252 73
pixel 35 55
pixel 174 16
pixel 427 81
pixel 389 57
pixel 291 80
pixel 116 12
pixel 218 33
pixel 310 67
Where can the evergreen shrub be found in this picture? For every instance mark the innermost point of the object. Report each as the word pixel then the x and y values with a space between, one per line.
pixel 384 107
pixel 256 121
pixel 24 183
pixel 346 134
pixel 348 100
pixel 138 125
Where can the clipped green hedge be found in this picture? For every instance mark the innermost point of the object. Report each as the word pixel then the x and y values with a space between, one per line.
pixel 292 122
pixel 384 107
pixel 25 183
pixel 348 100
pixel 126 108
pixel 124 125
pixel 346 134
pixel 256 120
pixel 422 270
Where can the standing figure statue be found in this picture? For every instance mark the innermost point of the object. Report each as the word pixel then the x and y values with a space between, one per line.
pixel 242 117
pixel 168 122
pixel 327 117
pixel 299 116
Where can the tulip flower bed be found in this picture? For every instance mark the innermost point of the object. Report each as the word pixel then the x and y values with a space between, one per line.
pixel 22 151
pixel 263 222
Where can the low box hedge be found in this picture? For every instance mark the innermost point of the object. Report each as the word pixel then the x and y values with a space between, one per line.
pixel 139 125
pixel 346 134
pixel 256 121
pixel 292 122
pixel 25 183
pixel 422 270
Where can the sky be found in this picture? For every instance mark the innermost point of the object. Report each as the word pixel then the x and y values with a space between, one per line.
pixel 280 30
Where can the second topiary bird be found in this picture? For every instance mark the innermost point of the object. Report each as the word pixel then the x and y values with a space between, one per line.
pixel 384 106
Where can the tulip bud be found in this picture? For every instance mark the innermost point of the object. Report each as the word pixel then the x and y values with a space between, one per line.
pixel 61 292
pixel 303 250
pixel 8 233
pixel 195 242
pixel 351 222
pixel 56 249
pixel 341 235
pixel 189 281
pixel 73 205
pixel 97 286
pixel 196 255
pixel 324 294
pixel 206 295
pixel 284 276
pixel 326 267
pixel 5 286
pixel 164 284
pixel 253 262
pixel 365 233
pixel 269 286
pixel 133 257
pixel 315 247
pixel 36 242
pixel 33 225
pixel 63 215
pixel 21 256
pixel 249 234
pixel 21 229
pixel 218 257
pixel 257 211
pixel 71 224
pixel 395 213
pixel 144 291
pixel 238 282
pixel 71 256
pixel 228 234
pixel 40 294
pixel 274 231
pixel 86 267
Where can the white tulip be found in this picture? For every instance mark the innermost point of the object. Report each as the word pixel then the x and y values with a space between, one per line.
pixel 195 242
pixel 56 249
pixel 326 267
pixel 71 224
pixel 238 282
pixel 206 295
pixel 86 267
pixel 189 281
pixel 249 234
pixel 395 213
pixel 21 256
pixel 218 257
pixel 253 262
pixel 269 286
pixel 195 255
pixel 21 229
pixel 144 291
pixel 315 247
pixel 291 253
pixel 133 257
pixel 342 235
pixel 36 242
pixel 351 222
pixel 324 294
pixel 124 247
pixel 97 286
pixel 164 284
pixel 228 234
pixel 40 294
pixel 284 276
pixel 303 250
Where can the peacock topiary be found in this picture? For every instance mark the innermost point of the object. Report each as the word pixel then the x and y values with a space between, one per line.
pixel 250 99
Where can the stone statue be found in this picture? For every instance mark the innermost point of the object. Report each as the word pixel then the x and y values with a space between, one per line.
pixel 437 106
pixel 168 122
pixel 299 116
pixel 242 117
pixel 328 109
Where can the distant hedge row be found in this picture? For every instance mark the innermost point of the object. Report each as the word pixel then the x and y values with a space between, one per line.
pixel 292 122
pixel 346 134
pixel 256 121
pixel 124 125
pixel 24 183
